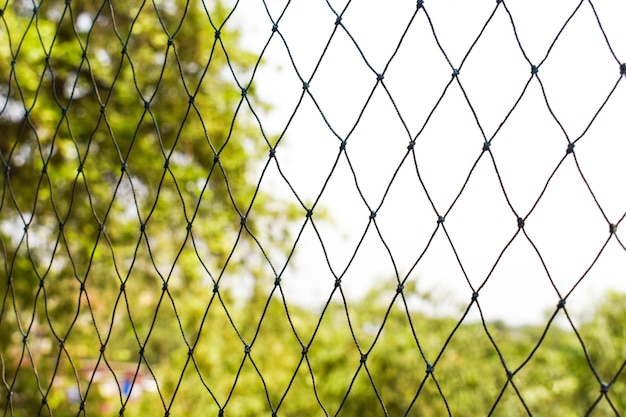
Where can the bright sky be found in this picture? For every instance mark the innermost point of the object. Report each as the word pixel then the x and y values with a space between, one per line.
pixel 567 227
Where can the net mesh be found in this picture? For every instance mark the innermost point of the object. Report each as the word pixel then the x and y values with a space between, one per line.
pixel 152 223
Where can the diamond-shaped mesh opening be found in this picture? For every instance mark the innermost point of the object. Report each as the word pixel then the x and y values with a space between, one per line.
pixel 312 208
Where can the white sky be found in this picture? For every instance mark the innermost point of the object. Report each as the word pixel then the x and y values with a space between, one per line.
pixel 566 226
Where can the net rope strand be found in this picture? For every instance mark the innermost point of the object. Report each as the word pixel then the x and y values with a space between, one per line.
pixel 20 247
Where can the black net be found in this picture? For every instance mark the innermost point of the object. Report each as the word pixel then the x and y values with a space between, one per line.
pixel 235 208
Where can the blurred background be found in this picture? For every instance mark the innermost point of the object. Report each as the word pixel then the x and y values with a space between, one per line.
pixel 312 208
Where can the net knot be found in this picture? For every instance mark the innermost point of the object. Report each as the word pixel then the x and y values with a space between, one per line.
pixel 520 222
pixel 430 368
pixel 534 69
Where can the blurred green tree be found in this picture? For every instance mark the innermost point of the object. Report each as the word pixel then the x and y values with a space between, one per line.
pixel 129 162
pixel 602 382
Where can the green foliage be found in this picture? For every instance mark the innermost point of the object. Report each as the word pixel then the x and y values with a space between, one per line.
pixel 127 164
